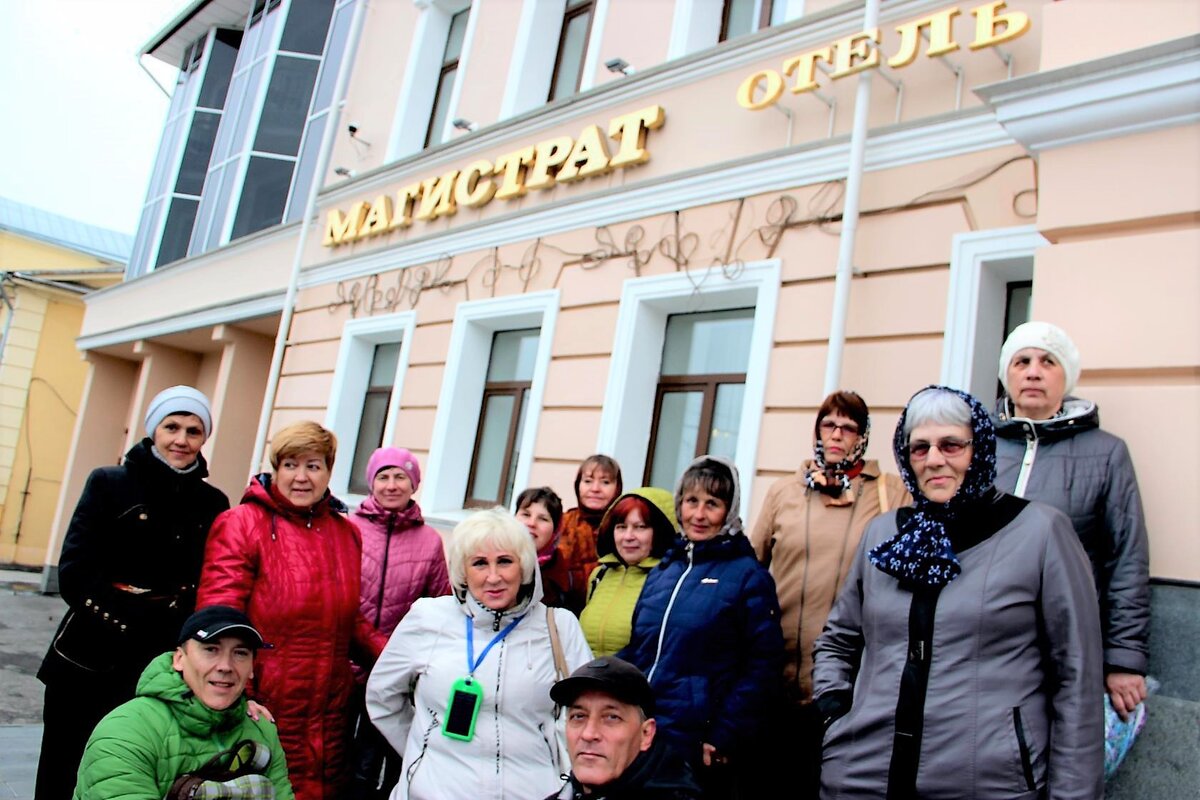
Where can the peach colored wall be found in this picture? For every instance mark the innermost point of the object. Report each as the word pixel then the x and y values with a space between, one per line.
pixel 895 323
pixel 637 31
pixel 1097 28
pixel 1098 185
pixel 704 125
pixel 485 67
pixel 374 87
pixel 245 269
pixel 98 435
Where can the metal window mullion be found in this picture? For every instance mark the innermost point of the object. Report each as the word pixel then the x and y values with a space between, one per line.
pixel 235 197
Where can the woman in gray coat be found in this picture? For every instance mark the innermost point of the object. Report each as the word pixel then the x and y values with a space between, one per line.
pixel 962 658
pixel 1050 448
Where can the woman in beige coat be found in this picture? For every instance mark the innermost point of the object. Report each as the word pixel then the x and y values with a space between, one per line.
pixel 807 531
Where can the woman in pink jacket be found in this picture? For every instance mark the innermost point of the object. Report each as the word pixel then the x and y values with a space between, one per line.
pixel 402 560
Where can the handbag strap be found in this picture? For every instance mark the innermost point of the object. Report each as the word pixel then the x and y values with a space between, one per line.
pixel 560 661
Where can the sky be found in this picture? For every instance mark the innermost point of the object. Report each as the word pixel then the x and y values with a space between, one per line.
pixel 81 120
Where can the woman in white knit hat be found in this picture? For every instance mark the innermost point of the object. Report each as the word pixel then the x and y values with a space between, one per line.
pixel 129 569
pixel 1050 448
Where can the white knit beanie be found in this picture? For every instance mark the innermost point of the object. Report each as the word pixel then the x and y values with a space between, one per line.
pixel 1044 336
pixel 178 400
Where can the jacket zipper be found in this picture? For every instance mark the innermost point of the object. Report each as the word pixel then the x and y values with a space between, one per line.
pixel 1023 746
pixel 1031 446
pixel 662 630
pixel 387 546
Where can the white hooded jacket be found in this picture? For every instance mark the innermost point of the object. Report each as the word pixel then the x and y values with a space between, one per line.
pixel 515 751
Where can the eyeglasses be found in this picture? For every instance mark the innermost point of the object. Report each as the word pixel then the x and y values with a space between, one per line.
pixel 829 426
pixel 621 527
pixel 948 447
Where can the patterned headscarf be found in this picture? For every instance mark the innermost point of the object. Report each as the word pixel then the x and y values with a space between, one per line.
pixel 834 479
pixel 921 551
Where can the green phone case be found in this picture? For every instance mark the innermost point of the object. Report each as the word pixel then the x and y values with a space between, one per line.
pixel 465 693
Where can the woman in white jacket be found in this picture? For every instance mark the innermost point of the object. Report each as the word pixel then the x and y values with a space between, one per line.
pixel 463 687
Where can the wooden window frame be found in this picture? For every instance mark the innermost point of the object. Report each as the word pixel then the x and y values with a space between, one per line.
pixel 587 7
pixel 518 390
pixel 764 18
pixel 707 385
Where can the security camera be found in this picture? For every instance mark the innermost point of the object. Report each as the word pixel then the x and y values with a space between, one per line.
pixel 352 128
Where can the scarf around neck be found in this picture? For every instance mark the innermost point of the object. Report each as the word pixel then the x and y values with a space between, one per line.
pixel 921 551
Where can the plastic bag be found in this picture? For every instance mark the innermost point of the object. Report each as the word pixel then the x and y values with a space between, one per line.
pixel 1119 734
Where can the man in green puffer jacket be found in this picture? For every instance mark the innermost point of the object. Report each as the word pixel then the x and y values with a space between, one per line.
pixel 187 733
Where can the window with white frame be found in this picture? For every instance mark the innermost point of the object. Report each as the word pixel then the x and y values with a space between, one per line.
pixel 490 401
pixel 701 385
pixel 572 48
pixel 739 17
pixel 991 284
pixel 700 24
pixel 653 338
pixel 446 78
pixel 258 143
pixel 177 180
pixel 368 378
pixel 432 76
pixel 501 418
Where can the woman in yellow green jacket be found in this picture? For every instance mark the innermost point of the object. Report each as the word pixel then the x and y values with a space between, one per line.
pixel 634 534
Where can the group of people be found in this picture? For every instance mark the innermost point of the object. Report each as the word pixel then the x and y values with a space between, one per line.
pixel 950 631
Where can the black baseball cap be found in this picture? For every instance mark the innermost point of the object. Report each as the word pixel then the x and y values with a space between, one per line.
pixel 214 622
pixel 610 675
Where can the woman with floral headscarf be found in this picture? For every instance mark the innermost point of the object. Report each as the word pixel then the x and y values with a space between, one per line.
pixel 962 659
pixel 807 531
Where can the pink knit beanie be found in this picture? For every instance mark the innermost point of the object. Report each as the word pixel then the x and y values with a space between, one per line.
pixel 386 457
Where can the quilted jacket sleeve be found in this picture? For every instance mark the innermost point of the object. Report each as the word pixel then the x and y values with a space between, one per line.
pixel 393 681
pixel 747 705
pixel 1072 631
pixel 122 757
pixel 1125 591
pixel 231 560
pixel 838 650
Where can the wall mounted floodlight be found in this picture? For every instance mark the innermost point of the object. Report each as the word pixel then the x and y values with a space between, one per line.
pixel 345 173
pixel 463 124
pixel 619 65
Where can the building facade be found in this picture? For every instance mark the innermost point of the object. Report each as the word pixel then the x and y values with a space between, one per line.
pixel 48 264
pixel 546 228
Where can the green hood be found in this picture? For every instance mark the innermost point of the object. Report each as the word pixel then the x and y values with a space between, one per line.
pixel 662 512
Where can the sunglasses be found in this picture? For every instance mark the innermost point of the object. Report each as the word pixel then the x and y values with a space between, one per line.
pixel 948 447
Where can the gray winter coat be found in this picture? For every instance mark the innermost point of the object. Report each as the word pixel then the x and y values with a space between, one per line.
pixel 1087 473
pixel 1012 705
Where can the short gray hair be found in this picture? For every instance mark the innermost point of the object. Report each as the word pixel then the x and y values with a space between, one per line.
pixel 934 406
pixel 495 527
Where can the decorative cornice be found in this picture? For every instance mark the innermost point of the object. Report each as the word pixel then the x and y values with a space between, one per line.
pixel 778 41
pixel 1140 90
pixel 932 138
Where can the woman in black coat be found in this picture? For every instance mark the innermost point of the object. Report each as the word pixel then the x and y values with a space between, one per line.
pixel 129 569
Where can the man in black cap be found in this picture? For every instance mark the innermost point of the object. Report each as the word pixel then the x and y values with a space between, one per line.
pixel 187 733
pixel 610 737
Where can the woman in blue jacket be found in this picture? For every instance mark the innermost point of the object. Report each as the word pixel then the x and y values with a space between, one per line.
pixel 706 633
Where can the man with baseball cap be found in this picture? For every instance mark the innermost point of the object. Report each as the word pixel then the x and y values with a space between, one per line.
pixel 187 733
pixel 610 737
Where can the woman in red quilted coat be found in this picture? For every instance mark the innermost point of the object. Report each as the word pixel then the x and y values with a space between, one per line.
pixel 289 558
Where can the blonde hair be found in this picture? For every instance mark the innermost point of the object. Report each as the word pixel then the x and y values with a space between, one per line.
pixel 303 437
pixel 495 527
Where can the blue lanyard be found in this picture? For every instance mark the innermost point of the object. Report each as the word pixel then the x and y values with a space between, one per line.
pixel 472 663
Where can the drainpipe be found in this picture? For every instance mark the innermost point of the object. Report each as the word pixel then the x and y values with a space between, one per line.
pixel 310 204
pixel 845 265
